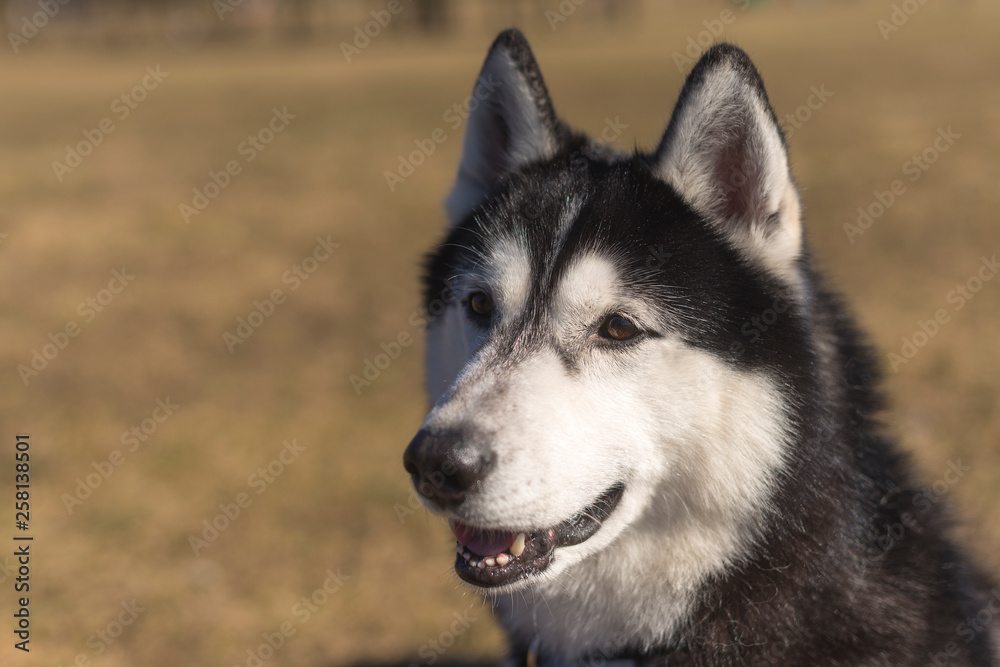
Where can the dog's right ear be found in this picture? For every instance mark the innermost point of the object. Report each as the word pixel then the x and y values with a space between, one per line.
pixel 725 153
pixel 511 123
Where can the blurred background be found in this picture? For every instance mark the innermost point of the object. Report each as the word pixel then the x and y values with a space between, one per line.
pixel 212 222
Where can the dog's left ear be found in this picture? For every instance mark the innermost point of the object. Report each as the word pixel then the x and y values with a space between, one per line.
pixel 725 154
pixel 511 123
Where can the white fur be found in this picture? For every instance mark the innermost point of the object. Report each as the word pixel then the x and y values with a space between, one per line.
pixel 508 276
pixel 505 273
pixel 696 482
pixel 697 444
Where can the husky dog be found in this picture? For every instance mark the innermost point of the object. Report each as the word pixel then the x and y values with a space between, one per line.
pixel 654 431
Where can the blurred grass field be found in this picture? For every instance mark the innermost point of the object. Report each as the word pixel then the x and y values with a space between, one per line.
pixel 338 505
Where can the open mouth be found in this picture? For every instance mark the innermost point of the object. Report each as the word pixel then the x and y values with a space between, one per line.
pixel 495 557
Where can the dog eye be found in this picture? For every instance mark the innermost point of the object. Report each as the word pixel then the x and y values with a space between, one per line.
pixel 618 327
pixel 481 304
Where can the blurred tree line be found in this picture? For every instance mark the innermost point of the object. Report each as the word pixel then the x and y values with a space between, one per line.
pixel 193 22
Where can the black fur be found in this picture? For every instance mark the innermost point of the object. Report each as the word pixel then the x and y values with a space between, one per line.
pixel 852 569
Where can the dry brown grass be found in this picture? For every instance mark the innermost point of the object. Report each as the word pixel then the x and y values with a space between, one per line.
pixel 334 507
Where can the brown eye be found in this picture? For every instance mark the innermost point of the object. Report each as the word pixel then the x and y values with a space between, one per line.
pixel 481 304
pixel 617 327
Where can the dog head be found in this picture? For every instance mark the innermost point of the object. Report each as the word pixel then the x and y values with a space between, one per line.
pixel 589 358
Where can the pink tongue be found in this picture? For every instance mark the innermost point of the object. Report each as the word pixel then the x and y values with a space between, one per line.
pixel 482 542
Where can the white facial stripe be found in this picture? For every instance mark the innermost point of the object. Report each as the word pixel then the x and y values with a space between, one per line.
pixel 588 288
pixel 591 288
pixel 509 275
pixel 567 217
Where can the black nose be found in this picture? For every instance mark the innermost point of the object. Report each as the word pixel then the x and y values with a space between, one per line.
pixel 445 465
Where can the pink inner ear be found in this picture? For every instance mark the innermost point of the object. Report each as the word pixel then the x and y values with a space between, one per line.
pixel 739 179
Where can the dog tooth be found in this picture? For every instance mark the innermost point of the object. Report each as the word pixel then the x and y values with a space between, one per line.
pixel 466 555
pixel 490 561
pixel 502 559
pixel 481 565
pixel 517 548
